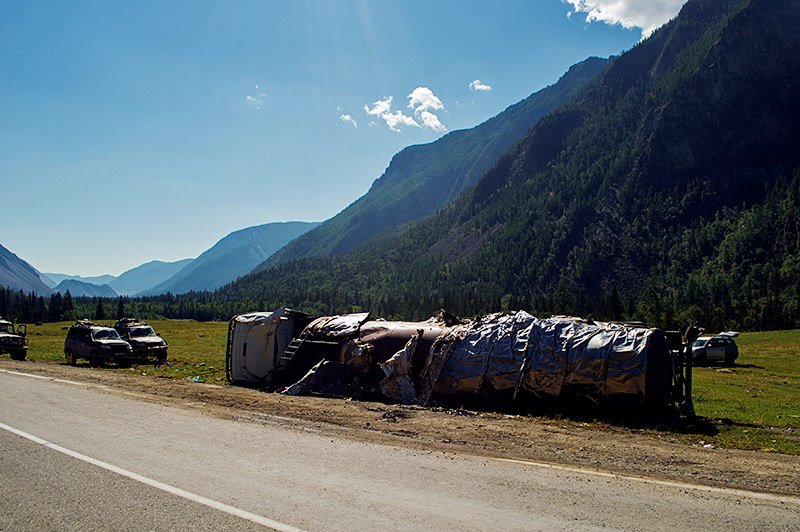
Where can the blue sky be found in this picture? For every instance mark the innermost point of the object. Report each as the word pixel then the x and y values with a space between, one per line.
pixel 133 131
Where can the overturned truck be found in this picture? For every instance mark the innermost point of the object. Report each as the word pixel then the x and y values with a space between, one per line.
pixel 502 360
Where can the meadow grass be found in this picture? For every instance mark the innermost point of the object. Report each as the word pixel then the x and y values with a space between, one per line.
pixel 756 403
pixel 195 349
pixel 752 405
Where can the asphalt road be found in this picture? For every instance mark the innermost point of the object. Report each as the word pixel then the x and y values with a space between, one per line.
pixel 77 457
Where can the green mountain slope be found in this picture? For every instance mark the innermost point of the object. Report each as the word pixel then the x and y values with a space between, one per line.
pixel 420 179
pixel 17 274
pixel 669 190
pixel 231 257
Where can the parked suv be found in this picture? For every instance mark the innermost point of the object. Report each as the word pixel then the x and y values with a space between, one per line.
pixel 146 343
pixel 12 340
pixel 719 348
pixel 96 344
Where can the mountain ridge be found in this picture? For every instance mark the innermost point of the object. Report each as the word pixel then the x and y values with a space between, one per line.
pixel 17 274
pixel 234 255
pixel 423 177
pixel 79 288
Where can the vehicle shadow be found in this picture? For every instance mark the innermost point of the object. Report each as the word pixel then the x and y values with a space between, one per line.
pixel 747 366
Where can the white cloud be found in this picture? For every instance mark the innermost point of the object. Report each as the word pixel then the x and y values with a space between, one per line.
pixel 256 101
pixel 347 119
pixel 648 15
pixel 423 99
pixel 478 85
pixel 395 120
pixel 431 121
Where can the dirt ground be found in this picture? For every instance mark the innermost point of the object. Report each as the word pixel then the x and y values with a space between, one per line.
pixel 651 453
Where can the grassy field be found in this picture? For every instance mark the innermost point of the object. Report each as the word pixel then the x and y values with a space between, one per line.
pixel 753 405
pixel 196 350
pixel 756 403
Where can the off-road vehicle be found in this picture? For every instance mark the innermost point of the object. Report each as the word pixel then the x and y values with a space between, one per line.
pixel 12 340
pixel 96 344
pixel 146 343
pixel 719 348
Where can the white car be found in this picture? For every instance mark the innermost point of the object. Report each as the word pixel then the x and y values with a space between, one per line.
pixel 719 348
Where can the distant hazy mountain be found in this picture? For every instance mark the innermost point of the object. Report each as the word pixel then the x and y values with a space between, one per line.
pixel 17 274
pixel 422 178
pixel 146 276
pixel 52 279
pixel 233 256
pixel 83 289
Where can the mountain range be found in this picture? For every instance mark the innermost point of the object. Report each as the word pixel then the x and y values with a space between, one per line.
pixel 422 178
pixel 668 189
pixel 52 279
pixel 231 257
pixel 79 288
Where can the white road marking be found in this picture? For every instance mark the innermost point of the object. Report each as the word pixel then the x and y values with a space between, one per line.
pixel 221 506
pixel 44 377
pixel 31 375
pixel 567 469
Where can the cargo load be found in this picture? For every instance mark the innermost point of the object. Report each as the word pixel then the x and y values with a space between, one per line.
pixel 502 359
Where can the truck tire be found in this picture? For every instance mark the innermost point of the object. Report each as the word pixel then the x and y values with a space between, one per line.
pixel 730 360
pixel 18 354
pixel 72 360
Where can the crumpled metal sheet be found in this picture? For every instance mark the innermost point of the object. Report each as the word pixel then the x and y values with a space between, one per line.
pixel 325 378
pixel 494 359
pixel 257 318
pixel 338 326
pixel 503 354
pixel 397 384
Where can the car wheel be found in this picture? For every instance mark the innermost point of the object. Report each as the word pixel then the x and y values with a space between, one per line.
pixel 72 360
pixel 730 360
pixel 18 355
pixel 94 360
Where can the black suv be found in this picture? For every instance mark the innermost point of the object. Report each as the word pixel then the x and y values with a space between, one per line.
pixel 96 344
pixel 12 340
pixel 146 343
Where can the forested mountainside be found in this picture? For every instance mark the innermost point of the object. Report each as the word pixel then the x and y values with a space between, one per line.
pixel 669 191
pixel 420 179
